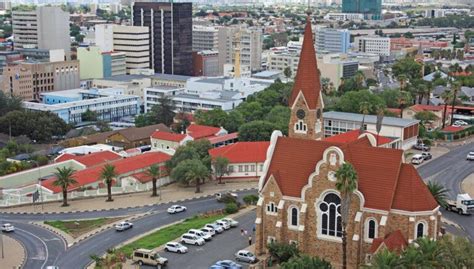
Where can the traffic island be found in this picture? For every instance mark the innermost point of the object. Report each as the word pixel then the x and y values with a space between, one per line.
pixel 467 185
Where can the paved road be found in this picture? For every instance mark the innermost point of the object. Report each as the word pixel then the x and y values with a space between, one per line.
pixel 221 247
pixel 450 170
pixel 43 248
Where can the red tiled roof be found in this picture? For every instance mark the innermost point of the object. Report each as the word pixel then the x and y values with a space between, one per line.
pixel 143 177
pixel 242 152
pixel 412 194
pixel 452 129
pixel 378 171
pixel 419 108
pixel 460 74
pixel 394 241
pixel 122 166
pixel 307 77
pixel 353 135
pixel 395 111
pixel 168 136
pixel 222 138
pixel 90 159
pixel 201 131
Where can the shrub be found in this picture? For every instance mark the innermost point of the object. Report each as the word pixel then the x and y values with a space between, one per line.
pixel 231 208
pixel 283 252
pixel 306 262
pixel 251 199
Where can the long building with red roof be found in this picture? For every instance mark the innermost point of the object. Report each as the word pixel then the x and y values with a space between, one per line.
pixel 91 159
pixel 298 199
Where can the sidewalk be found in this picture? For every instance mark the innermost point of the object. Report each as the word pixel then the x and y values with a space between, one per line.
pixel 14 253
pixel 170 193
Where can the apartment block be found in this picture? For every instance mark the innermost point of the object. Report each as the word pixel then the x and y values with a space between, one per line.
pixel 96 64
pixel 206 63
pixel 30 78
pixel 134 41
pixel 332 40
pixel 373 44
pixel 205 38
pixel 42 28
pixel 279 60
pixel 249 40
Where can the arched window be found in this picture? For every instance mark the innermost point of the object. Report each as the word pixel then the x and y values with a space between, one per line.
pixel 293 216
pixel 421 228
pixel 330 211
pixel 370 229
pixel 272 208
pixel 301 127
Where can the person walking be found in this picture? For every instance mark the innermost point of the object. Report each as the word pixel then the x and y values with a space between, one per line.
pixel 242 232
pixel 250 240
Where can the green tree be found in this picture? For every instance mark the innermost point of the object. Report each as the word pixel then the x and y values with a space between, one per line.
pixel 447 96
pixel 154 171
pixel 346 184
pixel 251 111
pixel 407 67
pixel 163 111
pixel 385 259
pixel 89 115
pixel 182 153
pixel 108 174
pixel 9 103
pixel 234 121
pixel 64 179
pixel 283 252
pixel 280 116
pixel 221 167
pixel 287 72
pixel 191 171
pixel 439 192
pixel 306 262
pixel 351 102
pixel 256 131
pixel 425 116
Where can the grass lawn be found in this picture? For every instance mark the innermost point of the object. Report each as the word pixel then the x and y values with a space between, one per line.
pixel 167 234
pixel 78 227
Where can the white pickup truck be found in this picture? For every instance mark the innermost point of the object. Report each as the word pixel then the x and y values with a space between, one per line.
pixel 464 204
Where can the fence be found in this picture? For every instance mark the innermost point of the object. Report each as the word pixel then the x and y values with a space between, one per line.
pixel 14 197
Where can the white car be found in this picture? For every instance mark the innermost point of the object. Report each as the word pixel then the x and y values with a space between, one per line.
pixel 217 228
pixel 231 222
pixel 223 224
pixel 192 239
pixel 417 159
pixel 208 230
pixel 245 256
pixel 7 228
pixel 470 156
pixel 176 209
pixel 175 247
pixel 124 225
pixel 461 123
pixel 201 234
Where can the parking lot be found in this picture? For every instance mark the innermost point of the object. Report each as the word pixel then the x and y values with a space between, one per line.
pixel 222 247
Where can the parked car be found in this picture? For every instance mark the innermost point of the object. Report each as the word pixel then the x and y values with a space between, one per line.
pixel 417 159
pixel 421 146
pixel 226 197
pixel 426 155
pixel 175 247
pixel 226 264
pixel 217 228
pixel 7 228
pixel 208 230
pixel 223 224
pixel 245 256
pixel 192 239
pixel 470 156
pixel 124 225
pixel 231 222
pixel 206 237
pixel 461 123
pixel 176 209
pixel 150 257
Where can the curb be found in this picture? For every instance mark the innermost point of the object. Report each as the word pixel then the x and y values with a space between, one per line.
pixel 127 208
pixel 25 254
pixel 53 230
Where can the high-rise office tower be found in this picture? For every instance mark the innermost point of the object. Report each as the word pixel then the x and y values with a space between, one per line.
pixel 171 39
pixel 372 9
pixel 332 40
pixel 42 28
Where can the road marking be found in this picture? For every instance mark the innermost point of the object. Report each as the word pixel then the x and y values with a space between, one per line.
pixel 44 244
pixel 52 239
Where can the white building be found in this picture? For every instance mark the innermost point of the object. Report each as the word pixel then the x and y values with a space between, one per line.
pixel 205 38
pixel 436 13
pixel 332 40
pixel 250 41
pixel 373 44
pixel 134 41
pixel 42 28
pixel 279 60
pixel 344 16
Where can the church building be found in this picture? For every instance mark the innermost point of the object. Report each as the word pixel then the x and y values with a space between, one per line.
pixel 299 202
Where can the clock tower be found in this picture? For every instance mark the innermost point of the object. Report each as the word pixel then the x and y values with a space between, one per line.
pixel 306 103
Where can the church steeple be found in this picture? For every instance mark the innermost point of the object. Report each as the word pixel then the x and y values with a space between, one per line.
pixel 306 104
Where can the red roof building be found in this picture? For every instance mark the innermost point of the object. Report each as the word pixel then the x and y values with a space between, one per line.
pixel 89 160
pixel 202 131
pixel 394 242
pixel 90 177
pixel 354 135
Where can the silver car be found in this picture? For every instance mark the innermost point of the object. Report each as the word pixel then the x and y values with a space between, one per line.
pixel 245 256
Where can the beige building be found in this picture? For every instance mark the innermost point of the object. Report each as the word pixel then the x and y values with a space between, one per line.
pixel 29 79
pixel 134 41
pixel 337 67
pixel 249 40
pixel 131 84
pixel 205 38
pixel 42 28
pixel 280 60
pixel 300 204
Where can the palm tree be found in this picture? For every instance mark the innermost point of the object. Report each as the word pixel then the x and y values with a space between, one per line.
pixel 456 88
pixel 431 255
pixel 198 174
pixel 346 184
pixel 108 174
pixel 439 192
pixel 64 179
pixel 429 89
pixel 446 96
pixel 402 79
pixel 385 260
pixel 154 172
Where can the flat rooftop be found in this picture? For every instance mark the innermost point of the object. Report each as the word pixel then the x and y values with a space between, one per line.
pixel 336 115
